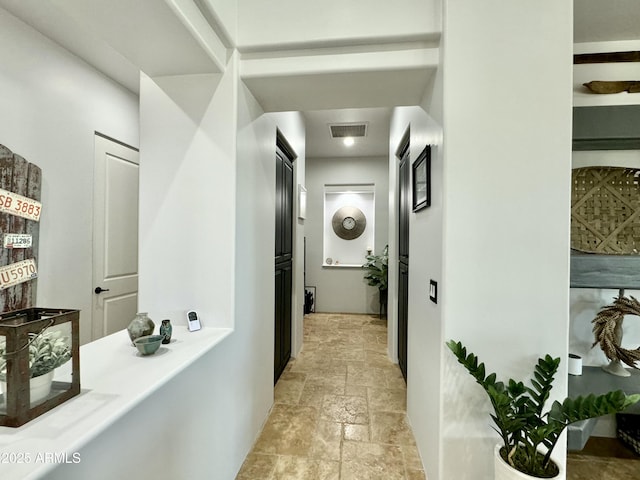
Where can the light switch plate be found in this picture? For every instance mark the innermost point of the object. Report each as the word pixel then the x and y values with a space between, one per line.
pixel 433 291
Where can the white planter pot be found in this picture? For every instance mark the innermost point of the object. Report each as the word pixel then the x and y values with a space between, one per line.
pixel 39 388
pixel 504 471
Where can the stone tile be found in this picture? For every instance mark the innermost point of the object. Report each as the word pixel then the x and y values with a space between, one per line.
pixel 387 399
pixel 331 366
pixel 357 433
pixel 355 390
pixel 378 348
pixel 344 409
pixel 393 377
pixel 300 468
pixel 416 475
pixel 314 391
pixel 368 461
pixel 349 353
pixel 288 431
pixel 371 337
pixel 289 387
pixel 411 455
pixel 602 468
pixel 340 410
pixel 376 359
pixel 375 320
pixel 366 376
pixel 257 465
pixel 391 428
pixel 327 378
pixel 326 441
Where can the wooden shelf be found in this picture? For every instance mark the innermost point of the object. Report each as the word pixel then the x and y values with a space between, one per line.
pixel 591 270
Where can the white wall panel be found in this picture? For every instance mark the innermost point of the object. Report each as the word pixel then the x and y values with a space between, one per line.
pixel 52 102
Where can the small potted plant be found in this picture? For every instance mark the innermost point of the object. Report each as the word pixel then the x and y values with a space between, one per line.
pixel 377 267
pixel 529 435
pixel 47 351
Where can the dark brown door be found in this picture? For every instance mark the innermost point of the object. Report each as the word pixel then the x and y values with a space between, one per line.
pixel 283 255
pixel 404 189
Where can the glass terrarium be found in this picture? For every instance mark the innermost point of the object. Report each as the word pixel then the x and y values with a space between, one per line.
pixel 39 362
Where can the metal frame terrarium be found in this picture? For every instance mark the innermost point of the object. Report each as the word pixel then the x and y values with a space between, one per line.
pixel 34 342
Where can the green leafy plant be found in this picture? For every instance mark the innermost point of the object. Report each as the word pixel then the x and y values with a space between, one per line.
pixel 47 351
pixel 518 412
pixel 377 267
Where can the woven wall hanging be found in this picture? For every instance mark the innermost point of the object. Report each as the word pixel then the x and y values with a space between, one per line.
pixel 605 210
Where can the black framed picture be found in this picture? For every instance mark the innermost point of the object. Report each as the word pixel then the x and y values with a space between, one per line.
pixel 309 300
pixel 422 180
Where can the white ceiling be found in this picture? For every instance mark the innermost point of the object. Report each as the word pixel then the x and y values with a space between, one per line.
pixel 594 21
pixel 320 144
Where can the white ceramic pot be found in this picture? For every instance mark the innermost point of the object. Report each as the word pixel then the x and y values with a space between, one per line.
pixel 504 471
pixel 39 388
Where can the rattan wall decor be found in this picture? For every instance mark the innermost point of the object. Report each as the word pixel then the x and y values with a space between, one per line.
pixel 605 210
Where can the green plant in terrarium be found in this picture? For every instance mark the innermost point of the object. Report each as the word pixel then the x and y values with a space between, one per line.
pixel 47 351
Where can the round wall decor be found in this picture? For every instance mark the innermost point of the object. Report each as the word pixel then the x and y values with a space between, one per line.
pixel 348 222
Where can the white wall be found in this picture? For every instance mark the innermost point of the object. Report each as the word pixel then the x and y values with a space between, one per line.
pixel 187 192
pixel 292 23
pixel 425 263
pixel 343 289
pixel 505 289
pixel 52 102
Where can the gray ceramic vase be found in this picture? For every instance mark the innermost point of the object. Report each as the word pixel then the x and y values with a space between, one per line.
pixel 140 326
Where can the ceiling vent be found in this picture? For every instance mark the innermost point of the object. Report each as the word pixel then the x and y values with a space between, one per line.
pixel 342 130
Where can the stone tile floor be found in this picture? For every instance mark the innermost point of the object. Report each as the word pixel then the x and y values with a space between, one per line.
pixel 340 410
pixel 603 459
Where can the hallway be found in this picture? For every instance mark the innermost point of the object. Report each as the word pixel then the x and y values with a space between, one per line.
pixel 340 409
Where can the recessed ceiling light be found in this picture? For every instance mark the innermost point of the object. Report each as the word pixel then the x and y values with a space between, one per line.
pixel 348 141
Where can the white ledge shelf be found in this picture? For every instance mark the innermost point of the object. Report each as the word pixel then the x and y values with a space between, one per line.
pixel 341 265
pixel 114 378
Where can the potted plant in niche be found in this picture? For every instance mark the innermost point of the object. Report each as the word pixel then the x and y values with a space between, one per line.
pixel 529 435
pixel 47 351
pixel 377 267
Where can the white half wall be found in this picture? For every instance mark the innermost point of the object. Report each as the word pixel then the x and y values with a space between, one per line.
pixel 343 289
pixel 52 103
pixel 506 198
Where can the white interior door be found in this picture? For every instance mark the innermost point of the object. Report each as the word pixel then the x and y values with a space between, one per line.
pixel 115 237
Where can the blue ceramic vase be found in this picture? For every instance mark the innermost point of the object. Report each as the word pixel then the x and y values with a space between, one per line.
pixel 166 329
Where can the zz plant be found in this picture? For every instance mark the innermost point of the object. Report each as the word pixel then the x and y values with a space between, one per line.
pixel 518 414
